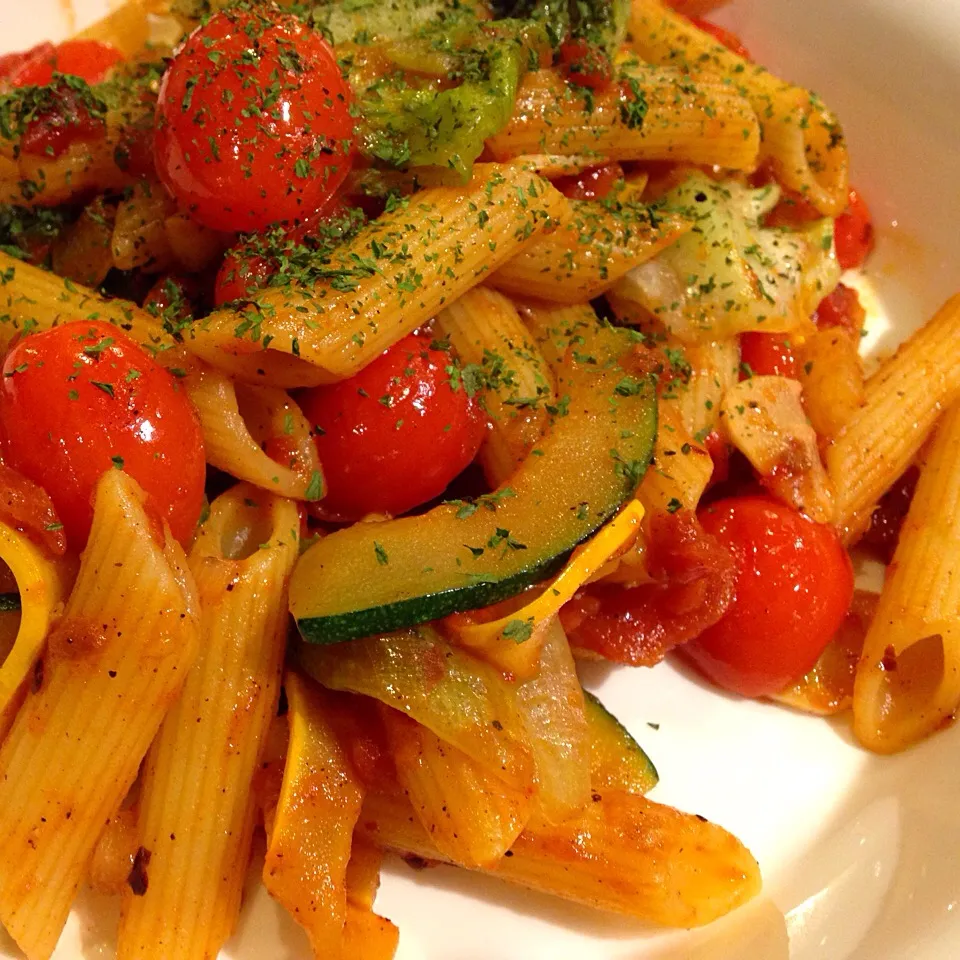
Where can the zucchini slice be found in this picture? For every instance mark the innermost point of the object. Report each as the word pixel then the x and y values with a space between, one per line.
pixel 617 761
pixel 375 578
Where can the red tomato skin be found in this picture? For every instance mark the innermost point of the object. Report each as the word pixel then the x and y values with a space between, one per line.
pixel 767 354
pixel 841 308
pixel 242 172
pixel 727 37
pixel 67 121
pixel 794 585
pixel 394 435
pixel 594 183
pixel 853 232
pixel 585 64
pixel 91 60
pixel 11 63
pixel 62 431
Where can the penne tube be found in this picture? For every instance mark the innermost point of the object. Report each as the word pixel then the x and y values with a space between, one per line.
pixel 196 809
pixel 595 246
pixel 33 298
pixel 39 582
pixel 484 329
pixel 309 843
pixel 34 180
pixel 553 327
pixel 367 936
pixel 908 678
pixel 830 370
pixel 623 853
pixel 139 238
pixel 680 471
pixel 133 25
pixel 241 423
pixel 801 137
pixel 395 275
pixel 902 401
pixel 710 369
pixel 112 666
pixel 82 251
pixel 472 816
pixel 652 114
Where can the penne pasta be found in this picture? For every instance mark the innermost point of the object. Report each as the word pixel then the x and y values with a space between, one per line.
pixel 241 423
pixel 471 815
pixel 111 668
pixel 593 248
pixel 310 840
pixel 652 114
pixel 709 369
pixel 393 277
pixel 485 330
pixel 902 401
pixel 830 371
pixel 196 811
pixel 679 474
pixel 35 299
pixel 82 251
pixel 139 231
pixel 908 678
pixel 623 853
pixel 801 137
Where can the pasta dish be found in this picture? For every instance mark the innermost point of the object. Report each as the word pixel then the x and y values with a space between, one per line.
pixel 368 365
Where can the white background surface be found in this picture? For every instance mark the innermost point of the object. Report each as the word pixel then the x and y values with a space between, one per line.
pixel 859 854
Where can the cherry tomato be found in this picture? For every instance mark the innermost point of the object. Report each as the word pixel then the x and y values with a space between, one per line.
pixel 794 584
pixel 691 585
pixel 91 60
pixel 767 354
pixel 83 398
pixel 10 63
pixel 61 120
pixel 853 232
pixel 729 39
pixel 253 121
pixel 586 64
pixel 594 183
pixel 28 509
pixel 841 308
pixel 394 435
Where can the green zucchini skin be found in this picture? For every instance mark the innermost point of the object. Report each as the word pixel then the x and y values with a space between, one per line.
pixel 9 602
pixel 375 578
pixel 617 760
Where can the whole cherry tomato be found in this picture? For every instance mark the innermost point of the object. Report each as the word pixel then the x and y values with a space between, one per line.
pixel 394 435
pixel 253 121
pixel 853 232
pixel 594 183
pixel 91 60
pixel 83 398
pixel 794 584
pixel 767 354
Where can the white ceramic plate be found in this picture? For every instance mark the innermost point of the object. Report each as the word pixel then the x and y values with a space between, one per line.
pixel 859 853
